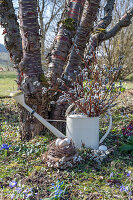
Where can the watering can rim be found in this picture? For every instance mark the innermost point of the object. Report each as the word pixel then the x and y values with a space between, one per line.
pixel 80 116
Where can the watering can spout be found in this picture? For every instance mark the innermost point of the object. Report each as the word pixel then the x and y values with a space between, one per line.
pixel 19 98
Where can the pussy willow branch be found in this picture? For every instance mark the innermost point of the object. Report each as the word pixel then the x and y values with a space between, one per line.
pixel 108 103
pixel 110 86
pixel 73 99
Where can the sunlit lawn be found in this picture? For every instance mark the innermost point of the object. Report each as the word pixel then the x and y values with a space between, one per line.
pixel 7 83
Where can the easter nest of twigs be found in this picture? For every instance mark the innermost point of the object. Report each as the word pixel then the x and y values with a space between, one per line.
pixel 61 157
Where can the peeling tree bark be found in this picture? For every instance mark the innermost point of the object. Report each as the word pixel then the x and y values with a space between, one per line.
pixel 31 62
pixel 63 40
pixel 102 25
pixel 31 70
pixel 82 35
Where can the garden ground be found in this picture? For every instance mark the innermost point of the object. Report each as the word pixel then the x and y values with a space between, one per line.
pixel 23 163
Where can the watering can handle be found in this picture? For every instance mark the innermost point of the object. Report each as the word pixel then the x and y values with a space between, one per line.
pixel 110 125
pixel 69 109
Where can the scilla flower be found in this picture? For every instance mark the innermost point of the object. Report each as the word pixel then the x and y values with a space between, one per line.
pixel 5 146
pixel 124 188
pixel 12 184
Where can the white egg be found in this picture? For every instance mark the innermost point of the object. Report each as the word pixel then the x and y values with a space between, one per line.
pixel 102 148
pixel 57 142
pixel 64 143
pixel 67 140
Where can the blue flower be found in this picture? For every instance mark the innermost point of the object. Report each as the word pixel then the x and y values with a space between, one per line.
pixel 111 174
pixel 129 173
pixel 61 191
pixel 28 192
pixel 18 189
pixel 61 183
pixel 28 195
pixel 58 189
pixel 12 196
pixel 12 184
pixel 5 146
pixel 124 188
pixel 29 189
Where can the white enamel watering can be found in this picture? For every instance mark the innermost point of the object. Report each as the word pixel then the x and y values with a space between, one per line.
pixel 80 128
pixel 84 130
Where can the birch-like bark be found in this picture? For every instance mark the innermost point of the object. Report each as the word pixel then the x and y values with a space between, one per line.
pixel 83 32
pixel 31 70
pixel 63 40
pixel 31 63
pixel 12 38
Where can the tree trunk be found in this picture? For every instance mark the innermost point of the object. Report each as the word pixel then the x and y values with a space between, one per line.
pixel 82 35
pixel 31 70
pixel 30 126
pixel 59 54
pixel 63 40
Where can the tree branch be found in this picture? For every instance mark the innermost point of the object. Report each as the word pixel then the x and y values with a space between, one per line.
pixel 107 16
pixel 52 17
pixel 103 24
pixel 98 38
pixel 124 22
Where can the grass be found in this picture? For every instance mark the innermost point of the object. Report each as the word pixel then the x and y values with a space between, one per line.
pixel 87 181
pixel 128 85
pixel 7 83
